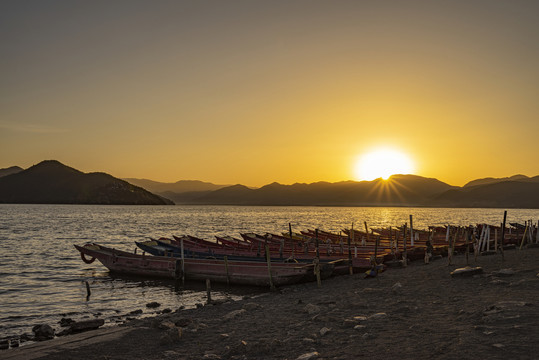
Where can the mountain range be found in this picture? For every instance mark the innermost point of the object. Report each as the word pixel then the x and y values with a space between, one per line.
pixel 71 186
pixel 51 182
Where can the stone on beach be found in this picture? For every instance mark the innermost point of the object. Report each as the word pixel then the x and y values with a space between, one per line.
pixel 308 356
pixel 43 332
pixel 312 309
pixel 231 315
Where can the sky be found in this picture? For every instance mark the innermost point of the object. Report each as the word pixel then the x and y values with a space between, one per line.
pixel 254 92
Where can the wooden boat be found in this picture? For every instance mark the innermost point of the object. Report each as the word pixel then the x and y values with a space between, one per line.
pixel 168 249
pixel 234 272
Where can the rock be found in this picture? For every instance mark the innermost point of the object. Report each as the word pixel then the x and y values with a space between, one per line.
pixel 224 336
pixel 4 344
pixel 66 322
pixel 43 332
pixel 153 305
pixel 135 312
pixel 171 336
pixel 359 327
pixel 499 346
pixel 167 325
pixel 311 309
pixel 308 340
pixel 517 283
pixel 86 325
pixel 231 315
pixel 14 343
pixel 252 306
pixel 368 336
pixel 199 305
pixel 379 315
pixel 183 322
pixel 211 356
pixel 166 311
pixel 467 271
pixel 360 318
pixel 505 272
pixel 396 288
pixel 324 331
pixel 308 356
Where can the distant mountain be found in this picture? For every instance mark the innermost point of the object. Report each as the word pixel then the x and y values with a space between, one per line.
pixel 399 190
pixel 181 186
pixel 51 182
pixel 491 180
pixel 504 194
pixel 10 170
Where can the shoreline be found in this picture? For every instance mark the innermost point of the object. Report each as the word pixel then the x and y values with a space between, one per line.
pixel 417 312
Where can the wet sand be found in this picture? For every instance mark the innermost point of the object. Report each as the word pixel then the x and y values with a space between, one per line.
pixel 417 312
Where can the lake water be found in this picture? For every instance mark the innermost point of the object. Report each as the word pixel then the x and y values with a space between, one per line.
pixel 42 277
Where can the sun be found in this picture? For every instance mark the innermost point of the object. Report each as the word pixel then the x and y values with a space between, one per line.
pixel 382 163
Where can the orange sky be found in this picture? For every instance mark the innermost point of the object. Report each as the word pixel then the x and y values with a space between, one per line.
pixel 253 92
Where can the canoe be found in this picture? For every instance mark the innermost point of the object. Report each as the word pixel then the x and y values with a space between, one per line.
pixel 239 272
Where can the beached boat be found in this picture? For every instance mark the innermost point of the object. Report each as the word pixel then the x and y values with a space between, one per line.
pixel 234 272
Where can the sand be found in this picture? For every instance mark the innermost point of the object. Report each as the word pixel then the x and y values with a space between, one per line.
pixel 417 312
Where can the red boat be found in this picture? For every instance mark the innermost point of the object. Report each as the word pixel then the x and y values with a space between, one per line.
pixel 233 272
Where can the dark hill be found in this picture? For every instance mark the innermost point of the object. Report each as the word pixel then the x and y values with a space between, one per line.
pixel 182 186
pixel 505 194
pixel 51 182
pixel 491 180
pixel 399 190
pixel 10 170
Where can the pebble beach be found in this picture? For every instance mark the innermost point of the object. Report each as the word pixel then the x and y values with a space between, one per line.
pixel 414 312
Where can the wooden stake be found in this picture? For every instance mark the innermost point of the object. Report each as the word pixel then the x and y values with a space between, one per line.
pixel 226 269
pixel 268 259
pixel 376 249
pixel 88 292
pixel 350 268
pixel 208 290
pixel 503 233
pixel 411 232
pixel 183 261
pixel 316 239
pixel 467 247
pixel 291 239
pixel 367 231
pixel 496 239
pixel 317 271
pixel 523 236
pixel 404 253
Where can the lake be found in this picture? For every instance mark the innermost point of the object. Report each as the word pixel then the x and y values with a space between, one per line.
pixel 42 277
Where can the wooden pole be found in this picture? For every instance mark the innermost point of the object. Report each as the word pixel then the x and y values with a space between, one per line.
pixel 503 233
pixel 268 259
pixel 367 231
pixel 467 247
pixel 495 239
pixel 350 268
pixel 404 253
pixel 208 290
pixel 411 232
pixel 292 240
pixel 183 261
pixel 316 239
pixel 88 292
pixel 226 269
pixel 523 236
pixel 376 249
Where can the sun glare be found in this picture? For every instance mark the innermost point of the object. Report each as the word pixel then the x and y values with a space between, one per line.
pixel 382 163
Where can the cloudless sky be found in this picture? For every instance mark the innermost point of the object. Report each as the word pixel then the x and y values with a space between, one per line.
pixel 253 92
